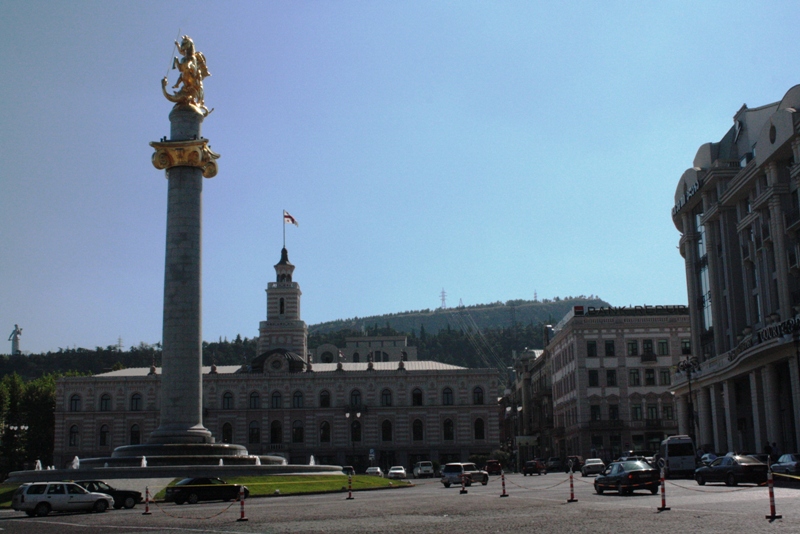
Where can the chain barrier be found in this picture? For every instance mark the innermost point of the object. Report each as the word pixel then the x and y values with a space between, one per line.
pixel 786 475
pixel 194 517
pixel 699 489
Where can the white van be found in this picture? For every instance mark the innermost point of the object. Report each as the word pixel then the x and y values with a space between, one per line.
pixel 679 455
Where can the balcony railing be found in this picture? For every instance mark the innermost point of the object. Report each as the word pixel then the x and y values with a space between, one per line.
pixel 649 356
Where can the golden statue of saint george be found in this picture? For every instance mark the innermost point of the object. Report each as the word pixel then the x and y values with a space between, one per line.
pixel 192 68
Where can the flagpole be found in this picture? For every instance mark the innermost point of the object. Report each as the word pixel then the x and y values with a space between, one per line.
pixel 284 230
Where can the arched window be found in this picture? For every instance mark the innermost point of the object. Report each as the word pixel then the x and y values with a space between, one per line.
pixel 356 357
pixel 136 402
pixel 227 433
pixel 326 357
pixel 416 397
pixel 448 430
pixel 254 432
pixel 105 402
pixel 355 431
pixel 74 436
pixel 479 430
pixel 255 401
pixel 325 399
pixel 477 395
pixel 355 398
pixel 136 435
pixel 276 432
pixel 297 432
pixel 277 402
pixel 417 433
pixel 104 436
pixel 447 397
pixel 386 397
pixel 404 356
pixel 325 432
pixel 75 403
pixel 386 431
pixel 297 399
pixel 227 401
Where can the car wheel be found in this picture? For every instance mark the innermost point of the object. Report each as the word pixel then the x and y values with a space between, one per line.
pixel 598 489
pixel 100 506
pixel 583 473
pixel 485 480
pixel 179 501
pixel 620 489
pixel 524 474
pixel 468 482
pixel 42 509
pixel 731 480
pixel 192 499
pixel 654 490
pixel 701 480
pixel 129 502
pixel 446 484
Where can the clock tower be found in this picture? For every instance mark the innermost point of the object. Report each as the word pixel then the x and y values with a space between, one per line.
pixel 283 328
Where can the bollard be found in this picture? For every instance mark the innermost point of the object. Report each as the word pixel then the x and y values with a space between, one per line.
pixel 571 485
pixel 146 501
pixel 663 492
pixel 241 500
pixel 349 488
pixel 772 516
pixel 463 487
pixel 503 479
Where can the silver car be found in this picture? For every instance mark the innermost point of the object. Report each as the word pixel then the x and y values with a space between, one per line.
pixel 592 466
pixel 41 498
pixel 453 474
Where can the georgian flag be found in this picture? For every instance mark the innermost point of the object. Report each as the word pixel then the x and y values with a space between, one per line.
pixel 289 219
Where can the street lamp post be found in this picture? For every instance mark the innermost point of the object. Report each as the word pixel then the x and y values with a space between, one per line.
pixel 357 417
pixel 17 432
pixel 688 365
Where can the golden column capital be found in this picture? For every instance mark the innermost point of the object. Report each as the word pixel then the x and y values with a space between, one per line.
pixel 193 153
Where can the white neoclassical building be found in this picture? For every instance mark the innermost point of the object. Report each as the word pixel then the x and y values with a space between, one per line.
pixel 370 402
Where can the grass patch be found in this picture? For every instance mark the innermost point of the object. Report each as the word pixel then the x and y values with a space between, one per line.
pixel 6 492
pixel 299 484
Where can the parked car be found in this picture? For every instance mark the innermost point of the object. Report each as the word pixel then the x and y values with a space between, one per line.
pixel 41 498
pixel 576 462
pixel 788 463
pixel 193 490
pixel 348 470
pixel 732 470
pixel 453 473
pixel 397 472
pixel 593 466
pixel 554 464
pixel 494 467
pixel 375 471
pixel 122 498
pixel 423 469
pixel 534 466
pixel 626 477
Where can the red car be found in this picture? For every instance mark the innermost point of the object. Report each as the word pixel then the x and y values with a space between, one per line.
pixel 493 467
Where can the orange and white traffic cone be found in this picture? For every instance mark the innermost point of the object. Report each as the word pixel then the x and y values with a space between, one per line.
pixel 241 500
pixel 146 501
pixel 772 516
pixel 503 480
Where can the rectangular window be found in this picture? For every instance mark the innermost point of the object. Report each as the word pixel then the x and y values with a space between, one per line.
pixel 611 378
pixel 636 412
pixel 666 411
pixel 591 349
pixel 595 412
pixel 649 377
pixel 613 412
pixel 686 346
pixel 610 348
pixel 594 379
pixel 647 346
pixel 665 378
pixel 633 348
pixel 633 377
pixel 652 411
pixel 663 347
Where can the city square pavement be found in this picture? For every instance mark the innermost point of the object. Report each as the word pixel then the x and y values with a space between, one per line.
pixel 534 504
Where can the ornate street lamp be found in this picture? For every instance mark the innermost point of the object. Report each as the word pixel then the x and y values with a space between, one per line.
pixel 688 365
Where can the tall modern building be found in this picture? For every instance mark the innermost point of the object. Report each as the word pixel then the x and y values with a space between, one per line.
pixel 738 214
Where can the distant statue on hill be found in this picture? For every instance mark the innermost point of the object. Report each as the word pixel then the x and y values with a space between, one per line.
pixel 14 339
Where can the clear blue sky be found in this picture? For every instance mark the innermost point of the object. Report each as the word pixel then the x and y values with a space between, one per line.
pixel 493 149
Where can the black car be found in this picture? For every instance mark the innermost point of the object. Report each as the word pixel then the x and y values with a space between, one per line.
pixel 193 490
pixel 731 470
pixel 628 476
pixel 126 498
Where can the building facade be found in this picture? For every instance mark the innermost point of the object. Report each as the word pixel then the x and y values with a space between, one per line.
pixel 370 403
pixel 611 372
pixel 738 214
pixel 534 394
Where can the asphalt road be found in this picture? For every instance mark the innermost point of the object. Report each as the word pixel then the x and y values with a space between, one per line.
pixel 534 503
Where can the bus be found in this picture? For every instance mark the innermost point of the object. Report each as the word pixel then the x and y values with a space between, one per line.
pixel 679 455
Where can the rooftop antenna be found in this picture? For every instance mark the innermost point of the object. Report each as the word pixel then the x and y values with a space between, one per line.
pixel 444 300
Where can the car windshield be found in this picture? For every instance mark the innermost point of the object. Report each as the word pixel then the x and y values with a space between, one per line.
pixel 748 460
pixel 593 461
pixel 452 469
pixel 635 465
pixel 103 486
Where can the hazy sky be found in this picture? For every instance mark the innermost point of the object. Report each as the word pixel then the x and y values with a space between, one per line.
pixel 493 149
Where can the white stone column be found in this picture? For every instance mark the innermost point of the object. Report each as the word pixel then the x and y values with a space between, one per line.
pixel 717 415
pixel 683 414
pixel 706 435
pixel 795 380
pixel 769 378
pixel 756 402
pixel 731 416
